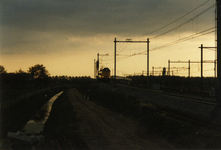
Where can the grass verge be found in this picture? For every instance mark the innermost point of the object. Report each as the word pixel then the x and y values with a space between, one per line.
pixel 60 130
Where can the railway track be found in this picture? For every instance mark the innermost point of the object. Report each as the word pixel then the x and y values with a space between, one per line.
pixel 179 114
pixel 207 101
pixel 188 108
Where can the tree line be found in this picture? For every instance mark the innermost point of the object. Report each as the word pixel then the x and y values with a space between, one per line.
pixel 36 76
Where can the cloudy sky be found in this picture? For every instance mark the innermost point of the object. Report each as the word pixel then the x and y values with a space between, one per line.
pixel 66 35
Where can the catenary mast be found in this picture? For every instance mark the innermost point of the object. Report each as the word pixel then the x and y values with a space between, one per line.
pixel 216 115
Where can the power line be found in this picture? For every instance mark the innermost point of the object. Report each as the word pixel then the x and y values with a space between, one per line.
pixel 202 33
pixel 186 22
pixel 199 34
pixel 178 18
pixel 205 32
pixel 125 46
pixel 211 49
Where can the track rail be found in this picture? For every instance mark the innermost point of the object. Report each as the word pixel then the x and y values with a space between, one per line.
pixel 179 115
pixel 188 97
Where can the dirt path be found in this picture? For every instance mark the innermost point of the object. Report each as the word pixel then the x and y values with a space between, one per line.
pixel 102 129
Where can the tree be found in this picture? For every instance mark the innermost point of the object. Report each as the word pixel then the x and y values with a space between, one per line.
pixel 20 71
pixel 39 74
pixel 2 69
pixel 38 71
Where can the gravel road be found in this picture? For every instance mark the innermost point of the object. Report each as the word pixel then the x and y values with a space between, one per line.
pixel 101 128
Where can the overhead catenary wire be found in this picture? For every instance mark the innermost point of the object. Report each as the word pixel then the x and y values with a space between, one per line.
pixel 178 18
pixel 205 32
pixel 123 48
pixel 186 22
pixel 202 33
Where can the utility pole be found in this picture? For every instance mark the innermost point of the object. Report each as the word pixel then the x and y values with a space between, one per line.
pixel 148 52
pixel 216 114
pixel 214 68
pixel 95 69
pixel 201 68
pixel 201 47
pixel 97 64
pixel 189 62
pixel 189 70
pixel 189 76
pixel 115 47
pixel 98 61
pixel 152 71
pixel 168 67
pixel 219 52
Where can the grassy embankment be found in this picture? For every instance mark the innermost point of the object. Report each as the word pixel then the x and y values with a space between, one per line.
pixel 61 128
pixel 179 133
pixel 16 116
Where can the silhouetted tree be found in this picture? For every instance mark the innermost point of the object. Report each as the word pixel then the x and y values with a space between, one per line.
pixel 40 74
pixel 2 75
pixel 38 71
pixel 2 69
pixel 20 71
pixel 21 78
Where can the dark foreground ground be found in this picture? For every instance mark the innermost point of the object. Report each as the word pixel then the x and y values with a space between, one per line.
pixel 104 119
pixel 83 124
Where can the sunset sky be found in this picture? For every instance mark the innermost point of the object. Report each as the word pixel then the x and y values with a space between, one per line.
pixel 66 35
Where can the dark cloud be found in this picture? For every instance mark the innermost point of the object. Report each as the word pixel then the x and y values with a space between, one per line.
pixel 28 21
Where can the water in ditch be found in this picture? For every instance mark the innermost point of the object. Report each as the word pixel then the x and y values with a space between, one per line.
pixel 36 124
